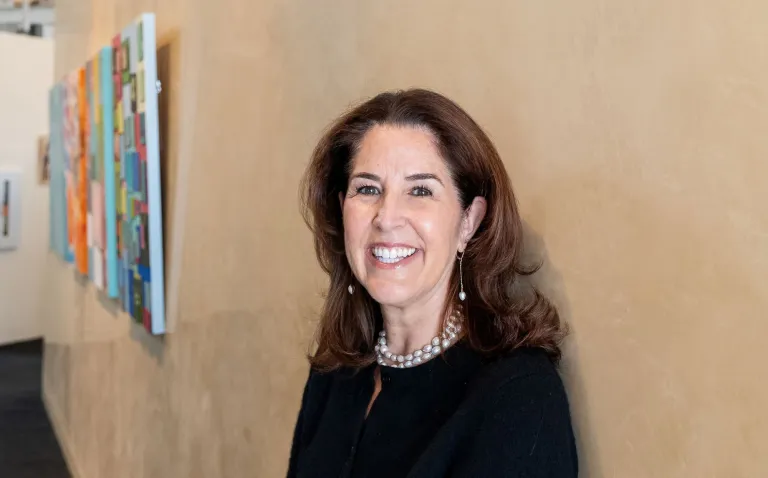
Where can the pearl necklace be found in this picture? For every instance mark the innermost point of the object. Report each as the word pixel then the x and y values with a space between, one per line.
pixel 438 344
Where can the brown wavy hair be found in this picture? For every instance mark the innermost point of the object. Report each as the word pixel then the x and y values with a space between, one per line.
pixel 501 313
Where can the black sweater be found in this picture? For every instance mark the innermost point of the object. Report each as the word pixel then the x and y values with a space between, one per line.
pixel 455 416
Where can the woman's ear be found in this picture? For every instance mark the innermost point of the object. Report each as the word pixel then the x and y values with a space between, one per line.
pixel 473 216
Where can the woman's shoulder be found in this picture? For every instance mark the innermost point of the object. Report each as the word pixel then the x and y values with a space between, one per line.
pixel 523 374
pixel 320 382
pixel 520 410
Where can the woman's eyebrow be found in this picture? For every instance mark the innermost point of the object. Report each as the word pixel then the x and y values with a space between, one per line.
pixel 423 176
pixel 370 176
pixel 412 177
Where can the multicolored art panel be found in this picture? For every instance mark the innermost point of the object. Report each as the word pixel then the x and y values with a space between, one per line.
pixel 75 166
pixel 106 199
pixel 101 198
pixel 137 168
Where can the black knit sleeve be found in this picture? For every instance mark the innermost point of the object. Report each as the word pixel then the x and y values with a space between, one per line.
pixel 525 432
pixel 313 402
pixel 297 434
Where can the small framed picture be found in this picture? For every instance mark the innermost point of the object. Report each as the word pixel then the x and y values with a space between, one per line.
pixel 43 160
pixel 10 209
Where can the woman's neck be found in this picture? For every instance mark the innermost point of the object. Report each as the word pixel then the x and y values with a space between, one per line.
pixel 410 328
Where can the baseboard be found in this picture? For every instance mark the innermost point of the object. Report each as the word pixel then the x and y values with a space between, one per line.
pixel 63 437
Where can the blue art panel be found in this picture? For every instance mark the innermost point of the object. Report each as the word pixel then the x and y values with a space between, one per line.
pixel 110 179
pixel 59 236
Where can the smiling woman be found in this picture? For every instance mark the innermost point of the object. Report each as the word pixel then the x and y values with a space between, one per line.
pixel 427 336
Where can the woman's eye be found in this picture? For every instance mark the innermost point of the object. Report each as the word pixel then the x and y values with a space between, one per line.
pixel 367 190
pixel 421 191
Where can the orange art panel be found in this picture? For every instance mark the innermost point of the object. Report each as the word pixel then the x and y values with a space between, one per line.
pixel 81 180
pixel 73 147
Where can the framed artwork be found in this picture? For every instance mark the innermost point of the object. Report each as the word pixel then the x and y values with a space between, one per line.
pixel 104 156
pixel 58 229
pixel 43 160
pixel 102 240
pixel 75 166
pixel 10 209
pixel 138 200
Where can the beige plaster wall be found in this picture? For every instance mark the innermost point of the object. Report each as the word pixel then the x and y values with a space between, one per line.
pixel 634 133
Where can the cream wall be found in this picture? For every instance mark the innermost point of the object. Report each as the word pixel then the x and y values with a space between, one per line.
pixel 633 132
pixel 26 68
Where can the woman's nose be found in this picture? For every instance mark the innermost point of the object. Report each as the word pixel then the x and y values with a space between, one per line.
pixel 390 214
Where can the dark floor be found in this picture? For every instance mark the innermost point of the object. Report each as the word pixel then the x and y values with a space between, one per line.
pixel 28 447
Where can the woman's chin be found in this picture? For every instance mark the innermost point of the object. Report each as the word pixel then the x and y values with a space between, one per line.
pixel 391 296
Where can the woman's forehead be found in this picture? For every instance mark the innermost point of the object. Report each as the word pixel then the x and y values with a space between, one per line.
pixel 398 149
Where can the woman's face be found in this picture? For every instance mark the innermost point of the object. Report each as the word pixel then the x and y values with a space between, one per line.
pixel 403 221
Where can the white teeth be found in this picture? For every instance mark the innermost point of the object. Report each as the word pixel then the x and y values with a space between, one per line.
pixel 392 255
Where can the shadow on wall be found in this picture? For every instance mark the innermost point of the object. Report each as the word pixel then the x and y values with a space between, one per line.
pixel 659 263
pixel 167 60
pixel 549 282
pixel 154 345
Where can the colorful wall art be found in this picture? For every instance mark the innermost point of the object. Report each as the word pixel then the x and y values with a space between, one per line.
pixel 102 243
pixel 59 231
pixel 75 166
pixel 10 209
pixel 105 169
pixel 137 163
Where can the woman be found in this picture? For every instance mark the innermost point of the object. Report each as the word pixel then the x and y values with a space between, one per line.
pixel 432 358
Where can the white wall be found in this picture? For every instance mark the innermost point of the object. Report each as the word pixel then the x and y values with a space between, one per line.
pixel 26 73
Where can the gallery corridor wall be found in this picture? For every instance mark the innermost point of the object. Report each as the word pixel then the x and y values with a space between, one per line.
pixel 633 132
pixel 26 71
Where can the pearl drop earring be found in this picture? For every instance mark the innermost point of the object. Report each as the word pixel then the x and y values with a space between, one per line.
pixel 351 289
pixel 462 294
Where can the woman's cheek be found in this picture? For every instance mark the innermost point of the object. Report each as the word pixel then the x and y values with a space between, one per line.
pixel 355 229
